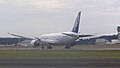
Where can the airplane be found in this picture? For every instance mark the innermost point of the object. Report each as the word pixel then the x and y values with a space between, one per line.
pixel 64 38
pixel 68 39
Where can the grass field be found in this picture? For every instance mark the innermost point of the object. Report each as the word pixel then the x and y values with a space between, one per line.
pixel 60 54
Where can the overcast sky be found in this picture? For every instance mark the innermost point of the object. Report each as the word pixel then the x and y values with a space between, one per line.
pixel 36 17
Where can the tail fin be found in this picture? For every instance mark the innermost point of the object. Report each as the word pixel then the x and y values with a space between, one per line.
pixel 76 25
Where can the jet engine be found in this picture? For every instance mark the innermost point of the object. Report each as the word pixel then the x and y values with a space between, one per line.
pixel 35 43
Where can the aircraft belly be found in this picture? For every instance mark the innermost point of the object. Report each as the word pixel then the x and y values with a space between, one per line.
pixel 65 41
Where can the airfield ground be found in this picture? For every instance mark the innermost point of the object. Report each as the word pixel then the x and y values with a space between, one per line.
pixel 59 52
pixel 27 57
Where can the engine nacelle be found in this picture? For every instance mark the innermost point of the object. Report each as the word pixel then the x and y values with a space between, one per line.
pixel 35 43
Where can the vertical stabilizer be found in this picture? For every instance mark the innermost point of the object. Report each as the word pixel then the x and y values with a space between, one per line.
pixel 77 22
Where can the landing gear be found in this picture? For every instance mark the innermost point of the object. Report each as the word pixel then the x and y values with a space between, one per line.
pixel 67 47
pixel 49 47
pixel 42 47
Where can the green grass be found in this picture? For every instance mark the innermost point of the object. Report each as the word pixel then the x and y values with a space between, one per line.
pixel 61 54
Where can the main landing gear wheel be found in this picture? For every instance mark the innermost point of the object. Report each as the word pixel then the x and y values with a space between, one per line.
pixel 43 47
pixel 49 47
pixel 67 47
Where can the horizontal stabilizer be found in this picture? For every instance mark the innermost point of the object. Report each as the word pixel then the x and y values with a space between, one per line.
pixel 70 34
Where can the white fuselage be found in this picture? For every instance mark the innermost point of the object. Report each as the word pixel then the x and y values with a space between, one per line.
pixel 60 38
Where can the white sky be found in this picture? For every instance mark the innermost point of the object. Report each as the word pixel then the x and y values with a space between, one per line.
pixel 36 17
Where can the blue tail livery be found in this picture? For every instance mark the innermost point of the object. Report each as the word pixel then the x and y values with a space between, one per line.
pixel 77 22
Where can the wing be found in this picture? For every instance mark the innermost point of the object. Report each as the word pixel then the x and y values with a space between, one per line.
pixel 107 37
pixel 20 36
pixel 110 36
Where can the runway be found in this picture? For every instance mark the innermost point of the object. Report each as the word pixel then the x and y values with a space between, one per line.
pixel 59 63
pixel 76 47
